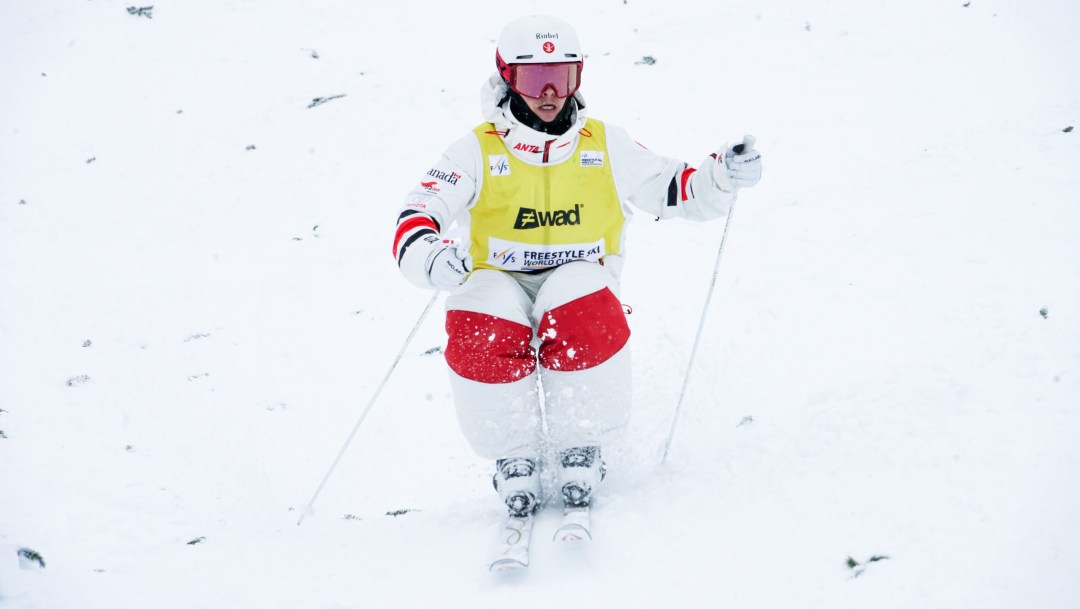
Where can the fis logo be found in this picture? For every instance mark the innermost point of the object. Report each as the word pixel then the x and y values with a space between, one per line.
pixel 505 257
pixel 530 218
pixel 498 165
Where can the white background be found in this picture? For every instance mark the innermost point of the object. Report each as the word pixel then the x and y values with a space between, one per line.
pixel 198 299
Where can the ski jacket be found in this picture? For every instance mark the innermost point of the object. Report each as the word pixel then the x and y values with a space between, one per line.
pixel 444 199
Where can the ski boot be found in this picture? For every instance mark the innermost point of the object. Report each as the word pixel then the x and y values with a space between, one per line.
pixel 580 472
pixel 517 481
pixel 518 484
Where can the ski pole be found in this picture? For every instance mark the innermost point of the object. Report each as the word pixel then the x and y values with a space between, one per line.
pixel 309 509
pixel 747 144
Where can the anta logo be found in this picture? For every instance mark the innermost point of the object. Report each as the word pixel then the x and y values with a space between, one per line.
pixel 449 178
pixel 530 218
pixel 533 148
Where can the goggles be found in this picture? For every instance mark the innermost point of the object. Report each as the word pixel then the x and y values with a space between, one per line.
pixel 531 79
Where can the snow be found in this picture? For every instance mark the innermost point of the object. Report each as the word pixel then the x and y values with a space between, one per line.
pixel 197 300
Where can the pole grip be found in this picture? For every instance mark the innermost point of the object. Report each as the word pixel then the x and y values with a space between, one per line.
pixel 748 142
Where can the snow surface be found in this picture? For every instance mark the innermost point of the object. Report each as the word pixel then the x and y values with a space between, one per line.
pixel 197 300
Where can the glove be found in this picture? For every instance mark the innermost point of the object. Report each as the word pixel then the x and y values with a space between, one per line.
pixel 742 163
pixel 447 264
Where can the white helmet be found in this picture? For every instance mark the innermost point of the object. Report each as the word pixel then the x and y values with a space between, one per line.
pixel 538 39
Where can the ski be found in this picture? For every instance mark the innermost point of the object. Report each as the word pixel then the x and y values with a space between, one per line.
pixel 575 526
pixel 513 550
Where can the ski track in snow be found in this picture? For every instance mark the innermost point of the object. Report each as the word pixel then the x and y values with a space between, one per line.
pixel 197 300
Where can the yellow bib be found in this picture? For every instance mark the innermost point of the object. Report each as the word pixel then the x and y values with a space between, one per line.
pixel 532 218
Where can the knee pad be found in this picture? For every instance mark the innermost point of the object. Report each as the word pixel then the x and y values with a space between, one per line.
pixel 583 333
pixel 488 349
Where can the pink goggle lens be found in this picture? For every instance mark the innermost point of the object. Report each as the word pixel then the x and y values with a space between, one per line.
pixel 530 79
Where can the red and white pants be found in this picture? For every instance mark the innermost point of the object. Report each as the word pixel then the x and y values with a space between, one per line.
pixel 512 335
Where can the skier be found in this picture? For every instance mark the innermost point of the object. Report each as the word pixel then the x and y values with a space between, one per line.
pixel 522 221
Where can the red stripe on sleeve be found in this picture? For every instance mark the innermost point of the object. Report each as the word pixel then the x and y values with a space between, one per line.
pixel 686 178
pixel 413 223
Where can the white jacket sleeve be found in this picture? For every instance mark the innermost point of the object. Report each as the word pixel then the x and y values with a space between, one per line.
pixel 666 187
pixel 438 199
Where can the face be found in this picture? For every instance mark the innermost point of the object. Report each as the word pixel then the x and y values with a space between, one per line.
pixel 547 106
pixel 545 87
